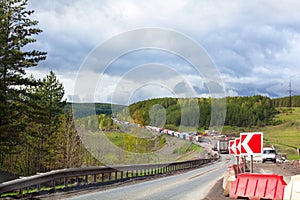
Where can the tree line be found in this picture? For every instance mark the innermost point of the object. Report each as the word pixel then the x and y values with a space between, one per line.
pixel 87 109
pixel 241 111
pixel 294 101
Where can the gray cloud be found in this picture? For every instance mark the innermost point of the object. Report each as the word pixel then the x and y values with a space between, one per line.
pixel 255 44
pixel 181 87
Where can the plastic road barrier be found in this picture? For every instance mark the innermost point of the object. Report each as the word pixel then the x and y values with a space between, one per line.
pixel 238 170
pixel 292 190
pixel 229 177
pixel 257 186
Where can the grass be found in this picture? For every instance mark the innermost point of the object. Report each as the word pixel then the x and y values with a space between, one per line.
pixel 233 129
pixel 286 135
pixel 10 194
pixel 187 151
pixel 135 144
pixel 180 128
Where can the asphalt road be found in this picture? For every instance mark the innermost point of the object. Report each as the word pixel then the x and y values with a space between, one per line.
pixel 190 185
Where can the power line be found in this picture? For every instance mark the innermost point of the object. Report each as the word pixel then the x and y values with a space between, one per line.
pixel 290 95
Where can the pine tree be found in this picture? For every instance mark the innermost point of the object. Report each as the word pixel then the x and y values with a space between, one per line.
pixel 68 147
pixel 16 31
pixel 48 107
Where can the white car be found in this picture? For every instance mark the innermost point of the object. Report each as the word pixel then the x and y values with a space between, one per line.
pixel 269 154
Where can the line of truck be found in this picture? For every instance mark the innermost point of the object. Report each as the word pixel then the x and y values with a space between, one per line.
pixel 219 143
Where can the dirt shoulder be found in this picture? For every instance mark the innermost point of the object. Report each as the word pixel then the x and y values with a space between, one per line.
pixel 286 170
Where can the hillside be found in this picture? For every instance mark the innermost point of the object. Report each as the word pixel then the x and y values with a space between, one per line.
pixel 285 136
pixel 256 113
pixel 124 143
pixel 241 112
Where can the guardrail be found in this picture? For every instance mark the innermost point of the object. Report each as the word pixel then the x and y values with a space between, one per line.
pixel 101 175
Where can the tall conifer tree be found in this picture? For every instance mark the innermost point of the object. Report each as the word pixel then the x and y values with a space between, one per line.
pixel 16 32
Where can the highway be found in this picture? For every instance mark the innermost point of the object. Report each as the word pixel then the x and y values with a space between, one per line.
pixel 191 185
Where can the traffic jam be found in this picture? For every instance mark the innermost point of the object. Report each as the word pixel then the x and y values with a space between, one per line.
pixel 240 181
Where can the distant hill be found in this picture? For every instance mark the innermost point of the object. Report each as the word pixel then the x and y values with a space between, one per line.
pixel 241 111
pixel 87 109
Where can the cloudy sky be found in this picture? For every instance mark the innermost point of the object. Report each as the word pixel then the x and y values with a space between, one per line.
pixel 253 45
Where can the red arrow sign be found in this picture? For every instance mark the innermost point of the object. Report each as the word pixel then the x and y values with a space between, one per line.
pixel 251 143
pixel 232 147
pixel 237 146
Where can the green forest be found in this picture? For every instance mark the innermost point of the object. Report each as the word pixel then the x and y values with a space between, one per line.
pixel 293 101
pixel 245 111
pixel 86 109
pixel 241 112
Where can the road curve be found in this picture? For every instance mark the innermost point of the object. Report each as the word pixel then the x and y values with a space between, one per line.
pixel 191 185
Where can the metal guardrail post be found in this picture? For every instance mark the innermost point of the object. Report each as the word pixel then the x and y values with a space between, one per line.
pixel 86 180
pixel 116 175
pixel 109 176
pixel 66 181
pixel 95 178
pixel 53 184
pixel 121 175
pixel 38 187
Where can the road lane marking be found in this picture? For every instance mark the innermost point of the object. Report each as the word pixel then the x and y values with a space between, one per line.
pixel 206 172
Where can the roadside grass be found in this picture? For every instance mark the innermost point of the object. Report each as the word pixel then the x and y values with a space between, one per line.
pixel 181 128
pixel 135 144
pixel 144 145
pixel 287 114
pixel 234 129
pixel 30 191
pixel 187 151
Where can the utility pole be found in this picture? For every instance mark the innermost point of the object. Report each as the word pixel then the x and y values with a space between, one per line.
pixel 290 96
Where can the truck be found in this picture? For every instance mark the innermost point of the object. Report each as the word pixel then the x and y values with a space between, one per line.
pixel 221 145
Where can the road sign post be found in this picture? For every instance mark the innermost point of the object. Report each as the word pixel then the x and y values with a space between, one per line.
pixel 251 164
pixel 251 144
pixel 237 152
pixel 244 163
